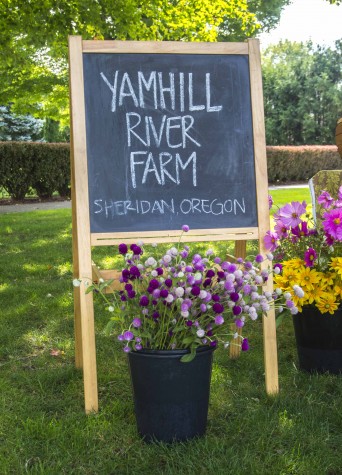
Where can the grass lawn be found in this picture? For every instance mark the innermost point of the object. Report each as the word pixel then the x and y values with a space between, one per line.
pixel 43 428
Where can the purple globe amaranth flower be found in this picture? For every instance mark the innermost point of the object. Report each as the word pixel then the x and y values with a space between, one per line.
pixel 168 283
pixel 216 298
pixel 234 296
pixel 134 272
pixel 220 274
pixel 219 320
pixel 164 293
pixel 259 258
pixel 239 323
pixel 213 344
pixel 136 322
pixel 159 271
pixel 131 294
pixel 154 284
pixel 189 323
pixel 155 315
pixel 218 308
pixel 144 301
pixel 138 346
pixel 128 335
pixel 207 282
pixel 237 310
pixel 123 248
pixel 245 345
pixel 309 257
pixel 195 290
pixel 128 287
pixel 136 249
pixel 185 228
pixel 231 268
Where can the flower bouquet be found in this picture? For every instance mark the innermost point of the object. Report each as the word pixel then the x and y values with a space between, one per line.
pixel 181 301
pixel 308 255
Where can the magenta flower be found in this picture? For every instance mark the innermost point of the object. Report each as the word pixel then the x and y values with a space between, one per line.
pixel 219 320
pixel 185 228
pixel 325 199
pixel 270 241
pixel 300 230
pixel 128 336
pixel 136 322
pixel 332 223
pixel 290 213
pixel 310 256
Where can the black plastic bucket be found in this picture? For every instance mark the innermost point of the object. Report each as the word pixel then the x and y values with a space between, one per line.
pixel 319 340
pixel 171 398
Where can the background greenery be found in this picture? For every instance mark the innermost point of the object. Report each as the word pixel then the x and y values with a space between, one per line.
pixel 302 89
pixel 43 428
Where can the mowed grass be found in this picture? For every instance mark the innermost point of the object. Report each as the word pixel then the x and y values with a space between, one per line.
pixel 43 428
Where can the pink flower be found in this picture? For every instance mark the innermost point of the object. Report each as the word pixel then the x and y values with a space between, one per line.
pixel 281 229
pixel 310 256
pixel 270 241
pixel 325 199
pixel 290 213
pixel 332 223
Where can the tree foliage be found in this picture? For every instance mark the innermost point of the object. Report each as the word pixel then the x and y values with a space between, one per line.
pixel 19 127
pixel 302 93
pixel 33 59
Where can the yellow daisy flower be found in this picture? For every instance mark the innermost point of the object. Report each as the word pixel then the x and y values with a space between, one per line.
pixel 328 304
pixel 308 278
pixel 336 265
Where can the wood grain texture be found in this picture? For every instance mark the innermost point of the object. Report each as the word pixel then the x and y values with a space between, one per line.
pixel 164 47
pixel 269 325
pixel 84 310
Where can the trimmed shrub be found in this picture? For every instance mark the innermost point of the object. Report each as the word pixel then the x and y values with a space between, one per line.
pixel 51 169
pixel 300 163
pixel 42 166
pixel 16 167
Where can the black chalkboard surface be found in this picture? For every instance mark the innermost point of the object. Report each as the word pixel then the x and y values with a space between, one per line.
pixel 169 142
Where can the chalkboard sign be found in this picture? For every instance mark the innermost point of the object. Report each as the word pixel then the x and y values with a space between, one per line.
pixel 169 141
pixel 164 134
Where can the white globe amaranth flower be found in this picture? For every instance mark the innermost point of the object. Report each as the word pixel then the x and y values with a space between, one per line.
pixel 270 256
pixel 110 308
pixel 170 298
pixel 179 291
pixel 287 296
pixel 294 310
pixel 280 309
pixel 278 291
pixel 276 270
pixel 154 273
pixel 200 333
pixel 101 280
pixel 167 258
pixel 203 294
pixel 76 282
pixel 198 276
pixel 238 273
pixel 150 262
pixel 185 314
pixel 180 274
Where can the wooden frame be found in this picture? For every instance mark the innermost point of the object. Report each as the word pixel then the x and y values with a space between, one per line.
pixel 83 239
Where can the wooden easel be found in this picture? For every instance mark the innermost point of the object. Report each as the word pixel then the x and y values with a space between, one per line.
pixel 83 239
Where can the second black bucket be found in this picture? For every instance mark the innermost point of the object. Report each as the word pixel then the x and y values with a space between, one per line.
pixel 171 398
pixel 319 340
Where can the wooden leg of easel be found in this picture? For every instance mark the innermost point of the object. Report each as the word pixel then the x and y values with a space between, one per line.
pixel 270 353
pixel 88 351
pixel 78 330
pixel 234 348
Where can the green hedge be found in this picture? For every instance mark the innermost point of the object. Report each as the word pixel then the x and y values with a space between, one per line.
pixel 45 167
pixel 287 164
